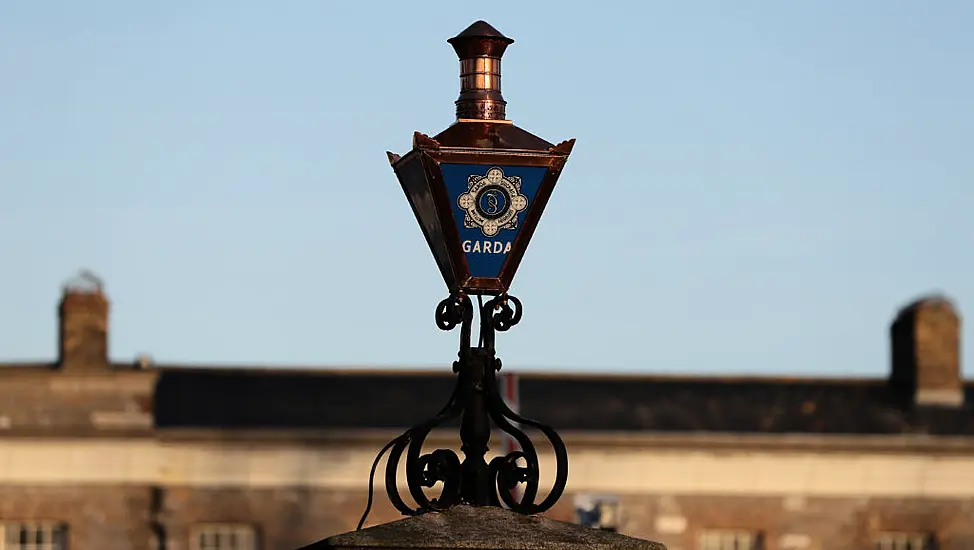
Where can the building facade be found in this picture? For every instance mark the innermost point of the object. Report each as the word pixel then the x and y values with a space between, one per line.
pixel 101 455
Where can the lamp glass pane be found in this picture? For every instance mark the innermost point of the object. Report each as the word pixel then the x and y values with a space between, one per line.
pixel 490 203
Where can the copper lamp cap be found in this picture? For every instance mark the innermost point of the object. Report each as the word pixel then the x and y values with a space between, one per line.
pixel 480 48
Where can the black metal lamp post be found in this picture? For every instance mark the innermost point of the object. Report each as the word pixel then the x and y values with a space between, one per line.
pixel 478 190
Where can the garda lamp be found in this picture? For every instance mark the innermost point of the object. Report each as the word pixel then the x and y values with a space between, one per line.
pixel 478 188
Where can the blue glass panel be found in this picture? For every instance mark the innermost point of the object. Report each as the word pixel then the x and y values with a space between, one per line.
pixel 490 203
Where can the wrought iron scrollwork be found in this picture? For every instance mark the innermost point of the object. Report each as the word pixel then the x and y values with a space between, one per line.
pixel 477 401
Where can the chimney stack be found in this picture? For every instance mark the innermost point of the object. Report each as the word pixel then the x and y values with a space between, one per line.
pixel 925 340
pixel 83 330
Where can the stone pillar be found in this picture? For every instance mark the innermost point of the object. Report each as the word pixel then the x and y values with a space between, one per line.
pixel 482 528
pixel 925 339
pixel 83 326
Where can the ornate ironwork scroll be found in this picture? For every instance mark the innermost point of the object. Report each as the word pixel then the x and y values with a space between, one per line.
pixel 477 401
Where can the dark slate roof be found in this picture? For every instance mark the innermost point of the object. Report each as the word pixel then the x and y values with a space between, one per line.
pixel 218 398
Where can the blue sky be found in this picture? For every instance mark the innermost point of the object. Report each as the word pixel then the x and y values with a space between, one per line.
pixel 756 188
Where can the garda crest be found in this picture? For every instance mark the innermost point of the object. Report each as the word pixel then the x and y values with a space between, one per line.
pixel 492 202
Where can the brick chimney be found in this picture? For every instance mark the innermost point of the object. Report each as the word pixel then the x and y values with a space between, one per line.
pixel 925 340
pixel 83 325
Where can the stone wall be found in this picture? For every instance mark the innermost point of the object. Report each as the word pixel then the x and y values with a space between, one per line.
pixel 286 518
pixel 110 491
pixel 97 518
pixel 790 523
pixel 110 518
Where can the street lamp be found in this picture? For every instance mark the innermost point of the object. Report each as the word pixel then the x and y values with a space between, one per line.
pixel 479 187
pixel 478 190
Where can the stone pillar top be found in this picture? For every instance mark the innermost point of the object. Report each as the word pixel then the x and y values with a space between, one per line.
pixel 482 528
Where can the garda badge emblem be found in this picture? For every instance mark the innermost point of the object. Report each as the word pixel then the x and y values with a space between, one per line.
pixel 492 202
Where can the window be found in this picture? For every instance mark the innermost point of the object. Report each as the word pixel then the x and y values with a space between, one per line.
pixel 224 536
pixel 904 541
pixel 33 536
pixel 730 540
pixel 597 511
